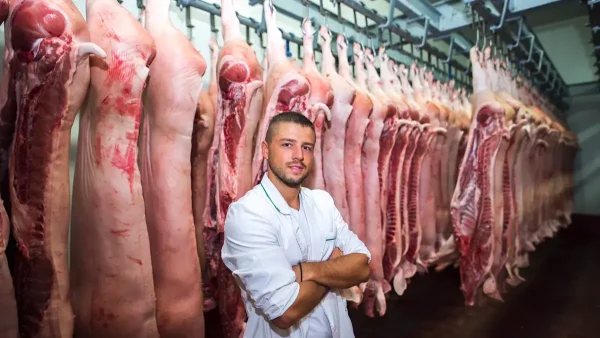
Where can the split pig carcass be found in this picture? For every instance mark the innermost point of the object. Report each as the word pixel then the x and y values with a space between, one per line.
pixel 110 250
pixel 204 159
pixel 48 47
pixel 239 102
pixel 170 104
pixel 500 204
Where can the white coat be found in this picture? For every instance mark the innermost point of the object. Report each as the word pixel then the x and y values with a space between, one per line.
pixel 263 242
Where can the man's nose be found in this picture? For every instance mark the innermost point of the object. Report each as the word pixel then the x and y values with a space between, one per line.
pixel 298 154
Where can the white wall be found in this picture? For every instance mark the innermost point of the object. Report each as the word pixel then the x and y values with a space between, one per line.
pixel 567 43
pixel 584 120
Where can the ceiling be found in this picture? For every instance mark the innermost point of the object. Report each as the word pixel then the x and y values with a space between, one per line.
pixel 560 28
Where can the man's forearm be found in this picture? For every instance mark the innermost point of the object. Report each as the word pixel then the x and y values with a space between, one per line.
pixel 339 273
pixel 309 297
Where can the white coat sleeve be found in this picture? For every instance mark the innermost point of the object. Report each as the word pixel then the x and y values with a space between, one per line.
pixel 251 251
pixel 346 240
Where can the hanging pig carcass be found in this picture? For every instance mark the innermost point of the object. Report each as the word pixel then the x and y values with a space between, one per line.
pixel 110 250
pixel 170 104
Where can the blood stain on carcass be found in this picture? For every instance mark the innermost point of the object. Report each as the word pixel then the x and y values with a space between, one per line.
pixel 125 160
pixel 120 233
pixel 136 260
pixel 112 35
pixel 120 70
pixel 98 149
pixel 232 129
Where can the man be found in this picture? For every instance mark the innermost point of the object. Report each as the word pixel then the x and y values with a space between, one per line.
pixel 284 244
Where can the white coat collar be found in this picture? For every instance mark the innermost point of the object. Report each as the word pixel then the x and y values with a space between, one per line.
pixel 274 195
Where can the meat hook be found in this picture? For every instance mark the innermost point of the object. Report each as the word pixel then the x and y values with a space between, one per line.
pixel 213 27
pixel 539 66
pixel 263 25
pixel 532 37
pixel 450 50
pixel 484 36
pixel 302 25
pixel 493 45
pixel 306 7
pixel 188 23
pixel 519 32
pixel 339 14
pixel 306 17
pixel 248 36
pixel 324 13
pixel 495 27
pixel 390 18
pixel 424 39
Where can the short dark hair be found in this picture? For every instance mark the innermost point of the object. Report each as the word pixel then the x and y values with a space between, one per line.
pixel 287 117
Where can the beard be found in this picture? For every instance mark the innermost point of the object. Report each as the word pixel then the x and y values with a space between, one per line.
pixel 291 182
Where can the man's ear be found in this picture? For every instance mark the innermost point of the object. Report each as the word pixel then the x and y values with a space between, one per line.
pixel 265 150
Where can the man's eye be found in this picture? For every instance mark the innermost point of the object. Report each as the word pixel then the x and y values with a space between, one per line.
pixel 287 144
pixel 308 149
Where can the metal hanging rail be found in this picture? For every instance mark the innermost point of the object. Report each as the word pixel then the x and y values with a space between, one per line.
pixel 414 11
pixel 426 21
pixel 529 55
pixel 419 24
pixel 398 31
pixel 292 8
pixel 337 24
pixel 420 12
pixel 215 9
pixel 454 16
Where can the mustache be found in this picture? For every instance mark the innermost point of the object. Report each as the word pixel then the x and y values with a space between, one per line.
pixel 297 163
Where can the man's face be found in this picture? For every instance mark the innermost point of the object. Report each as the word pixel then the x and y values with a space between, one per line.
pixel 290 153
